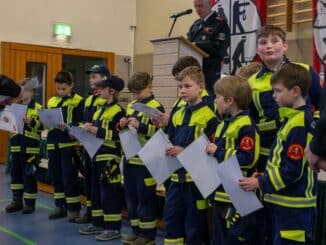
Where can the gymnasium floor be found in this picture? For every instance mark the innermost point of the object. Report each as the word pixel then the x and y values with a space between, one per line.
pixel 36 228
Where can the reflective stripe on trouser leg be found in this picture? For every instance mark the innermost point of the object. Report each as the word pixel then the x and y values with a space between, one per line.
pixel 97 212
pixel 111 204
pixel 70 179
pixel 56 177
pixel 182 217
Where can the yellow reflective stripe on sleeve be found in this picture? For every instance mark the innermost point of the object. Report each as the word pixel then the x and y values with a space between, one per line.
pixel 75 199
pixel 107 157
pixel 294 235
pixel 188 178
pixel 16 186
pixel 266 126
pixel 112 217
pixel 50 147
pixel 88 203
pixel 15 149
pixel 29 195
pixel 290 202
pixel 69 114
pixel 59 195
pixel 201 204
pixel 108 134
pixel 147 225
pixel 316 115
pixel 151 130
pixel 175 178
pixel 264 151
pixel 222 197
pixel 134 222
pixel 33 150
pixel 310 173
pixel 109 143
pixel 32 135
pixel 174 241
pixel 256 100
pixel 97 213
pixel 65 145
pixel 136 161
pixel 116 179
pixel 275 178
pixel 149 181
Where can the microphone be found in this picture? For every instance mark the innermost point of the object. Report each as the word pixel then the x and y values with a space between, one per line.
pixel 188 11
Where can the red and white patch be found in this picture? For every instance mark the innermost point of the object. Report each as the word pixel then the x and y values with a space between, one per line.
pixel 295 152
pixel 247 143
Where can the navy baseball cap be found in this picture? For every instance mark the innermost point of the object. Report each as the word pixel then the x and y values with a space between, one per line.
pixel 113 82
pixel 99 69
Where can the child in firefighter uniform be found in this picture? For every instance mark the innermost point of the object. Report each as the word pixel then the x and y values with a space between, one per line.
pixel 25 157
pixel 236 135
pixel 139 185
pixel 185 211
pixel 288 184
pixel 60 145
pixel 93 102
pixel 106 178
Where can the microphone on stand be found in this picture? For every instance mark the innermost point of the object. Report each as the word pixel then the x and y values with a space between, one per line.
pixel 188 11
pixel 177 15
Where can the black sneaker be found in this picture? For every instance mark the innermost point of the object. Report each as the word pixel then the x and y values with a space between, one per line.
pixel 58 212
pixel 28 209
pixel 87 218
pixel 14 207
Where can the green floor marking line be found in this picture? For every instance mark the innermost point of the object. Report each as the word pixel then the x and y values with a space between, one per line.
pixel 17 236
pixel 41 205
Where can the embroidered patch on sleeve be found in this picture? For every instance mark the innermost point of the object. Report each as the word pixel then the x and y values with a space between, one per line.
pixel 247 143
pixel 295 152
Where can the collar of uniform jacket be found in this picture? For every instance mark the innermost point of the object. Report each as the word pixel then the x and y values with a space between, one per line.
pixel 194 107
pixel 241 113
pixel 264 69
pixel 147 99
pixel 286 112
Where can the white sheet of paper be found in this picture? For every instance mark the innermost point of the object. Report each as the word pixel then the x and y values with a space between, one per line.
pixel 31 84
pixel 150 111
pixel 201 166
pixel 88 140
pixel 157 162
pixel 129 142
pixel 8 121
pixel 20 112
pixel 51 118
pixel 229 172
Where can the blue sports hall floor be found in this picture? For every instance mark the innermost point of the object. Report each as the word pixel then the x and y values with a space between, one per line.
pixel 19 229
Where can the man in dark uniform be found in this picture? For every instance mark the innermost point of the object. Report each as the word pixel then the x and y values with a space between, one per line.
pixel 211 33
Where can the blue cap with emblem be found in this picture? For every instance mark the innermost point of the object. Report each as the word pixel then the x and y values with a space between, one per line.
pixel 101 69
pixel 113 82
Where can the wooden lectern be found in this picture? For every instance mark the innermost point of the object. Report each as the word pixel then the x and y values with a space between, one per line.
pixel 166 53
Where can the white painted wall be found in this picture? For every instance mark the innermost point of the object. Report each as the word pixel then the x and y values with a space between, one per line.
pixel 102 25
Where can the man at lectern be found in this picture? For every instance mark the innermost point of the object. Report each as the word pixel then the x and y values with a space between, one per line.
pixel 211 33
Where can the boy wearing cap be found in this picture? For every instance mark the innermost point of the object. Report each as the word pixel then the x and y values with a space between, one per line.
pixel 106 178
pixel 93 102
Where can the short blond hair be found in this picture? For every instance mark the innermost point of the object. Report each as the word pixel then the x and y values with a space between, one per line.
pixel 249 69
pixel 234 87
pixel 194 72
